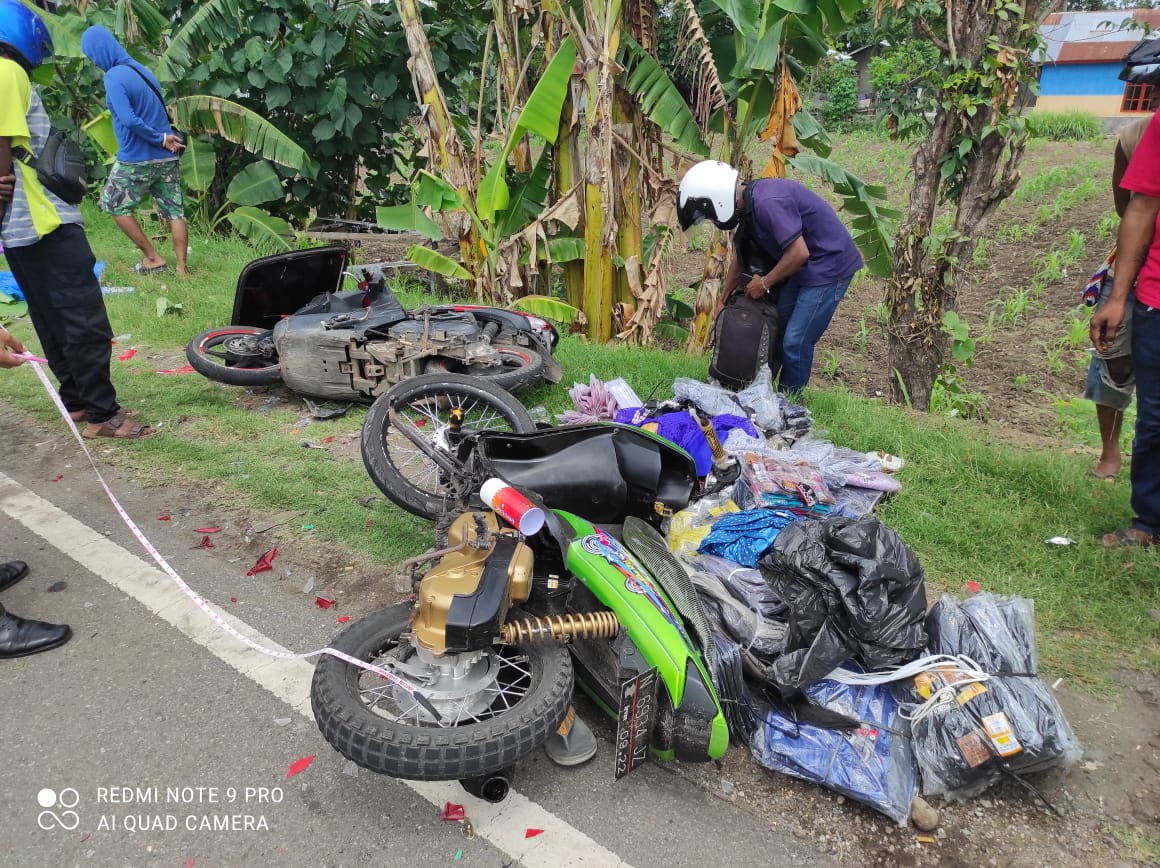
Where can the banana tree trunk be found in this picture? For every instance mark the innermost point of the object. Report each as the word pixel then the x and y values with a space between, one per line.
pixel 567 174
pixel 507 44
pixel 443 139
pixel 626 186
pixel 600 224
pixel 712 278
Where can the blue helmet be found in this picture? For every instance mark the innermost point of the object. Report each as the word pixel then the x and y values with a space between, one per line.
pixel 22 30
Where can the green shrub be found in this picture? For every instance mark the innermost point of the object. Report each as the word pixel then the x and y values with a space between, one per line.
pixel 1071 126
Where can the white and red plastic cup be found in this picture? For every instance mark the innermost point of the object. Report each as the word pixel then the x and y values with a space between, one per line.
pixel 512 506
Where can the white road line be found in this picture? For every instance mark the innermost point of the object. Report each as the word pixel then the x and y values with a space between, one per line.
pixel 503 825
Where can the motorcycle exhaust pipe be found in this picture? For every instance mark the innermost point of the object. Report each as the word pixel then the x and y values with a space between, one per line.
pixel 492 788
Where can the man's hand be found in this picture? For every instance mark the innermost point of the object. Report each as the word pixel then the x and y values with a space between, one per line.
pixel 172 143
pixel 7 188
pixel 755 289
pixel 8 346
pixel 1105 323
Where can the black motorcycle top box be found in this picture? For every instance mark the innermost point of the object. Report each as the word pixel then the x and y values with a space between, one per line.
pixel 276 286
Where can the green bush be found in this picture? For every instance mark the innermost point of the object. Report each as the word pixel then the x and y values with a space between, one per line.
pixel 1074 126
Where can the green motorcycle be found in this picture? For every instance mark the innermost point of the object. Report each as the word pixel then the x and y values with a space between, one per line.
pixel 482 663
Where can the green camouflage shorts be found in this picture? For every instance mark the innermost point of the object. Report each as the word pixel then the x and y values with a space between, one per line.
pixel 129 183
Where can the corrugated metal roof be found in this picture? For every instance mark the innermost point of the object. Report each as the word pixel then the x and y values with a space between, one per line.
pixel 1094 28
pixel 1093 52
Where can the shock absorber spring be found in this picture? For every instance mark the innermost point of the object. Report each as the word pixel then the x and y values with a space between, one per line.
pixel 560 628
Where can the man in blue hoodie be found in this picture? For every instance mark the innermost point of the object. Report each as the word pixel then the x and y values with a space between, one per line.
pixel 148 151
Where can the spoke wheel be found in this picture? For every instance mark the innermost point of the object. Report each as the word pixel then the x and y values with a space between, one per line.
pixel 495 705
pixel 401 470
pixel 235 355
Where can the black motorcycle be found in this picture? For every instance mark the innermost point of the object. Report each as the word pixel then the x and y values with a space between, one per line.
pixel 293 324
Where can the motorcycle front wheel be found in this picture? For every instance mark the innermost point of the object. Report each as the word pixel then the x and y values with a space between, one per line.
pixel 398 466
pixel 495 706
pixel 518 368
pixel 235 355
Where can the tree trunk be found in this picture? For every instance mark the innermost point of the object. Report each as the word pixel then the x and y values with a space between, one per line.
pixel 924 285
pixel 507 45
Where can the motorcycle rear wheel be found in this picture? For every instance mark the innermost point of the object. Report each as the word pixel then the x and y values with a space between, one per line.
pixel 398 467
pixel 229 354
pixel 519 367
pixel 493 713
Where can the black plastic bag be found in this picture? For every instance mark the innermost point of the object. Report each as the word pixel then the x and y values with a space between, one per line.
pixel 854 590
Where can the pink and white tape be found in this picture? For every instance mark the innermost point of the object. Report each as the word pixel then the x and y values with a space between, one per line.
pixel 198 600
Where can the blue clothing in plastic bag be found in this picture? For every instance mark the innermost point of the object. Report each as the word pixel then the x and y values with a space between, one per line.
pixel 873 764
pixel 682 429
pixel 743 537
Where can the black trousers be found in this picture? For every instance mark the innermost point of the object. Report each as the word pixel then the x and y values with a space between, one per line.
pixel 68 312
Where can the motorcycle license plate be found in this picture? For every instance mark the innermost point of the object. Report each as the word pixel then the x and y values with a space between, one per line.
pixel 634 721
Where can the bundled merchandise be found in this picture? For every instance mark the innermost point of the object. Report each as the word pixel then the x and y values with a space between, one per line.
pixel 728 616
pixel 872 764
pixel 971 728
pixel 778 484
pixel 691 525
pixel 743 537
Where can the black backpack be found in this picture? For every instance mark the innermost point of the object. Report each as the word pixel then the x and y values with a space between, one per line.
pixel 745 333
pixel 60 167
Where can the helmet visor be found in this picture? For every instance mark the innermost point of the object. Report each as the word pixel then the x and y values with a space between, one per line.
pixel 694 211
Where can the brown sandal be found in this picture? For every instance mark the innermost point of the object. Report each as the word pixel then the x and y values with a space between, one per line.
pixel 120 426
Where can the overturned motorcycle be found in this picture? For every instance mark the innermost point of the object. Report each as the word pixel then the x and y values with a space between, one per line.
pixel 483 651
pixel 293 324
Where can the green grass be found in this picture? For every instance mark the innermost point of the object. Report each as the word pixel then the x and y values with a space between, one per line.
pixel 972 507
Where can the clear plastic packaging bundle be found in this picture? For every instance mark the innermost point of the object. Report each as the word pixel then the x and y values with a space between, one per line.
pixel 714 400
pixel 777 483
pixel 873 764
pixel 981 731
pixel 744 583
pixel 691 525
pixel 766 406
pixel 763 637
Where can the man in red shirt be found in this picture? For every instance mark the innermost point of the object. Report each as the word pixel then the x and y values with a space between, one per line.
pixel 1138 262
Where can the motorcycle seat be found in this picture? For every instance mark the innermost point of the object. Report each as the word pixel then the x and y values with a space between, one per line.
pixel 602 472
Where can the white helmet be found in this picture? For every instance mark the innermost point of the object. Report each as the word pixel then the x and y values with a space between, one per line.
pixel 708 192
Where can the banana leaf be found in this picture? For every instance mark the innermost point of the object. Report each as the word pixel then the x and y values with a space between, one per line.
pixel 198 165
pixel 871 223
pixel 407 218
pixel 236 123
pixel 530 199
pixel 547 307
pixel 435 261
pixel 540 115
pixel 256 184
pixel 659 98
pixel 214 22
pixel 261 228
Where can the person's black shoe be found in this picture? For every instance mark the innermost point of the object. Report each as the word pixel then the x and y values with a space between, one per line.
pixel 11 573
pixel 20 637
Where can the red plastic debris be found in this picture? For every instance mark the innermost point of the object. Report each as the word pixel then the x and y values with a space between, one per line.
pixel 57 478
pixel 85 836
pixel 184 369
pixel 206 543
pixel 974 587
pixel 531 833
pixel 344 619
pixel 189 864
pixel 207 530
pixel 452 813
pixel 324 601
pixel 370 522
pixel 233 599
pixel 125 356
pixel 299 765
pixel 165 517
pixel 327 439
pixel 265 562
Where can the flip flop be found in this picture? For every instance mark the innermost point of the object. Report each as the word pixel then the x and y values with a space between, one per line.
pixel 1106 477
pixel 1121 539
pixel 142 268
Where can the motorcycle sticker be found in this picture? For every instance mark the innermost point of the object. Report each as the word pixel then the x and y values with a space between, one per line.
pixel 602 545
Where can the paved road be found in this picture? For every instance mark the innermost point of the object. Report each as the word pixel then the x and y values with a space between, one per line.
pixel 165 742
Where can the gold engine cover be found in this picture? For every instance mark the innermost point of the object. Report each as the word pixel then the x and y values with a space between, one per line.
pixel 476 533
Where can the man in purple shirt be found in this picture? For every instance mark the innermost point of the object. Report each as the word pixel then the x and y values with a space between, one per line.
pixel 791 249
